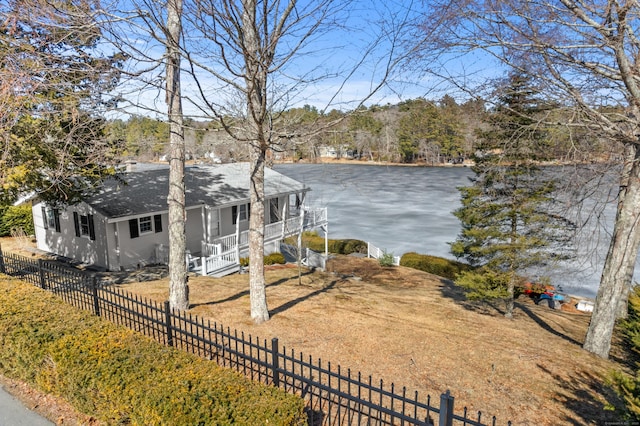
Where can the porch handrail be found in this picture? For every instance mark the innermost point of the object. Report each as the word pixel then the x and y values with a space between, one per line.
pixel 216 262
pixel 377 253
pixel 315 217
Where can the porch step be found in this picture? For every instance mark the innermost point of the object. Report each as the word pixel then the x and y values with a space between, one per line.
pixel 227 270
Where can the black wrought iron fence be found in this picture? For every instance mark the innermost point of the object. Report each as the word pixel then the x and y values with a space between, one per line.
pixel 332 396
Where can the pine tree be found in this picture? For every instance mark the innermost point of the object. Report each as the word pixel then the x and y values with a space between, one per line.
pixel 53 82
pixel 508 227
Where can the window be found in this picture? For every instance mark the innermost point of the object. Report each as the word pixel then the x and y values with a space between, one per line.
pixel 145 225
pixel 274 210
pixel 51 218
pixel 243 212
pixel 84 225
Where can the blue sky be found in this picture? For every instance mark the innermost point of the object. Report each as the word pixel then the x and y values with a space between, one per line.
pixel 355 50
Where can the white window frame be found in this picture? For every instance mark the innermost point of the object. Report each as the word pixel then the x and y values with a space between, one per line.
pixel 145 224
pixel 242 212
pixel 51 218
pixel 84 225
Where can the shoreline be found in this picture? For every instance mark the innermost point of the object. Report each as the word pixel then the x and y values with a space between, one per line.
pixel 368 163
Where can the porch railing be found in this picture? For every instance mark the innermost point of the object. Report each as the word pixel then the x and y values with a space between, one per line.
pixel 377 253
pixel 223 250
pixel 214 263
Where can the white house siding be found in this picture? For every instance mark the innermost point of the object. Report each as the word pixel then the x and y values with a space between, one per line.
pixel 66 243
pixel 194 230
pixel 138 251
pixel 227 227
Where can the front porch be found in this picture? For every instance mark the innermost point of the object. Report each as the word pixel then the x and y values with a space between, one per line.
pixel 222 255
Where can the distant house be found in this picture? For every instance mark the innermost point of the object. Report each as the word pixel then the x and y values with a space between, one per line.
pixel 339 151
pixel 125 225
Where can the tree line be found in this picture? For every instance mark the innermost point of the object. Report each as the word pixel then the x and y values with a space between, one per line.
pixel 415 131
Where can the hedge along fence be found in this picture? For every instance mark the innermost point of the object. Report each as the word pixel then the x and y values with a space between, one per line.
pixel 121 377
pixel 332 396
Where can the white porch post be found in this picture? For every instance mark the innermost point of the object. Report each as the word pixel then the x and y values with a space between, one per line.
pixel 205 229
pixel 326 235
pixel 238 236
pixel 300 231
pixel 284 218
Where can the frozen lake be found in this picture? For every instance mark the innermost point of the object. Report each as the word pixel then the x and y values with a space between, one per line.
pixel 403 209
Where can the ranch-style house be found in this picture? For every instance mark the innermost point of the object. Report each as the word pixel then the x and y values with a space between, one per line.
pixel 124 225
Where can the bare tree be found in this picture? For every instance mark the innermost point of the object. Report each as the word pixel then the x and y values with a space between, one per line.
pixel 583 55
pixel 255 51
pixel 149 32
pixel 178 290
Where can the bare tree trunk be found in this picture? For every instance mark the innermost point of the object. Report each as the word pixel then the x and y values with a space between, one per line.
pixel 178 291
pixel 621 258
pixel 256 81
pixel 257 283
pixel 509 303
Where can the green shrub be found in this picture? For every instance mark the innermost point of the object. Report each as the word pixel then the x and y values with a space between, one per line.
pixel 16 217
pixel 274 258
pixel 434 265
pixel 120 377
pixel 314 242
pixel 354 246
pixel 484 284
pixel 628 386
pixel 386 260
pixel 270 259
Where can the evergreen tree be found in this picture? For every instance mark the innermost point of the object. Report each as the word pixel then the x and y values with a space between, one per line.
pixel 508 227
pixel 53 79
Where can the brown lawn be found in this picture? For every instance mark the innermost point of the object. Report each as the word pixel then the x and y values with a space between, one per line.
pixel 417 330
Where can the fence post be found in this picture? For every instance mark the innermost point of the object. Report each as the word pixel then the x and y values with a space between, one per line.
pixel 43 283
pixel 275 361
pixel 2 268
pixel 167 321
pixel 94 290
pixel 446 409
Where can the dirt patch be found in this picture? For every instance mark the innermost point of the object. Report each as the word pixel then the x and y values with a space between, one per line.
pixel 417 330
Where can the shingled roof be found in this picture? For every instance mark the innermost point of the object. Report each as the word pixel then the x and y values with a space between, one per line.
pixel 145 191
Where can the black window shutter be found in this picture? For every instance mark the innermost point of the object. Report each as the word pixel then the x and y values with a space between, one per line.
pixel 133 228
pixel 76 223
pixel 92 229
pixel 44 218
pixel 56 218
pixel 157 222
pixel 234 214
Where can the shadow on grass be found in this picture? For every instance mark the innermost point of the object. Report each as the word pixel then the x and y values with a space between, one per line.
pixel 294 302
pixel 457 294
pixel 246 292
pixel 587 397
pixel 496 308
pixel 544 325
